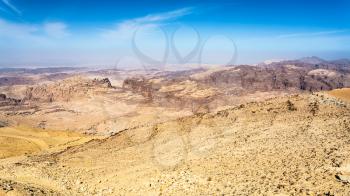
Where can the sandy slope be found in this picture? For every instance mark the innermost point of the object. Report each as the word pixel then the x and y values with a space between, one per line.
pixel 23 140
pixel 292 145
pixel 343 94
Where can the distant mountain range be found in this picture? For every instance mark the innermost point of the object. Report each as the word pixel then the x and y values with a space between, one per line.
pixel 307 60
pixel 41 70
pixel 312 60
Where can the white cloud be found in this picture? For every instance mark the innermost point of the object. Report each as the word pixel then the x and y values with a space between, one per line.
pixel 56 29
pixel 12 7
pixel 171 15
pixel 310 34
pixel 23 31
pixel 24 42
pixel 16 30
pixel 126 28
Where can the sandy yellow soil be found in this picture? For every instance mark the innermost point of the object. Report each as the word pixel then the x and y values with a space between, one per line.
pixel 343 94
pixel 21 140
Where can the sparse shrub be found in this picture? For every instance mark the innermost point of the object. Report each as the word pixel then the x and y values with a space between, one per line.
pixel 314 107
pixel 3 124
pixel 291 106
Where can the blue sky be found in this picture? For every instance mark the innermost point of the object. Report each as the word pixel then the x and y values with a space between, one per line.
pixel 138 33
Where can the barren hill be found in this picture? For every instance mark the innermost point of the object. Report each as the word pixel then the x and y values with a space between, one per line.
pixel 250 130
pixel 206 90
pixel 290 145
pixel 66 90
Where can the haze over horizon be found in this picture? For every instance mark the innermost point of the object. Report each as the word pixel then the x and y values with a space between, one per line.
pixel 90 32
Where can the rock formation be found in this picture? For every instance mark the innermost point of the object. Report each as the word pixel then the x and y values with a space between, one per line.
pixel 66 90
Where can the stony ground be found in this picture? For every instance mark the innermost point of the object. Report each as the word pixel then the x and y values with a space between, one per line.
pixel 292 145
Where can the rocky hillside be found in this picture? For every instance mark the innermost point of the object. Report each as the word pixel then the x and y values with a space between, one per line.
pixel 206 87
pixel 286 77
pixel 6 101
pixel 290 145
pixel 66 90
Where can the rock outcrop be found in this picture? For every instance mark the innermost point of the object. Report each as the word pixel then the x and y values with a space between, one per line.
pixel 139 85
pixel 71 88
pixel 252 78
pixel 202 87
pixel 6 101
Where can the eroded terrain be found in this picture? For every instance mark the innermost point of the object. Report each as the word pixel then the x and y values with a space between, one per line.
pixel 271 129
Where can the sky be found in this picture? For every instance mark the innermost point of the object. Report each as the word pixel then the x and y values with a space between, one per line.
pixel 153 33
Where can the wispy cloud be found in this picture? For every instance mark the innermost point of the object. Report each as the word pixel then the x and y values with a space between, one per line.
pixel 311 34
pixel 16 30
pixel 126 28
pixel 160 17
pixel 56 29
pixel 51 30
pixel 11 7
